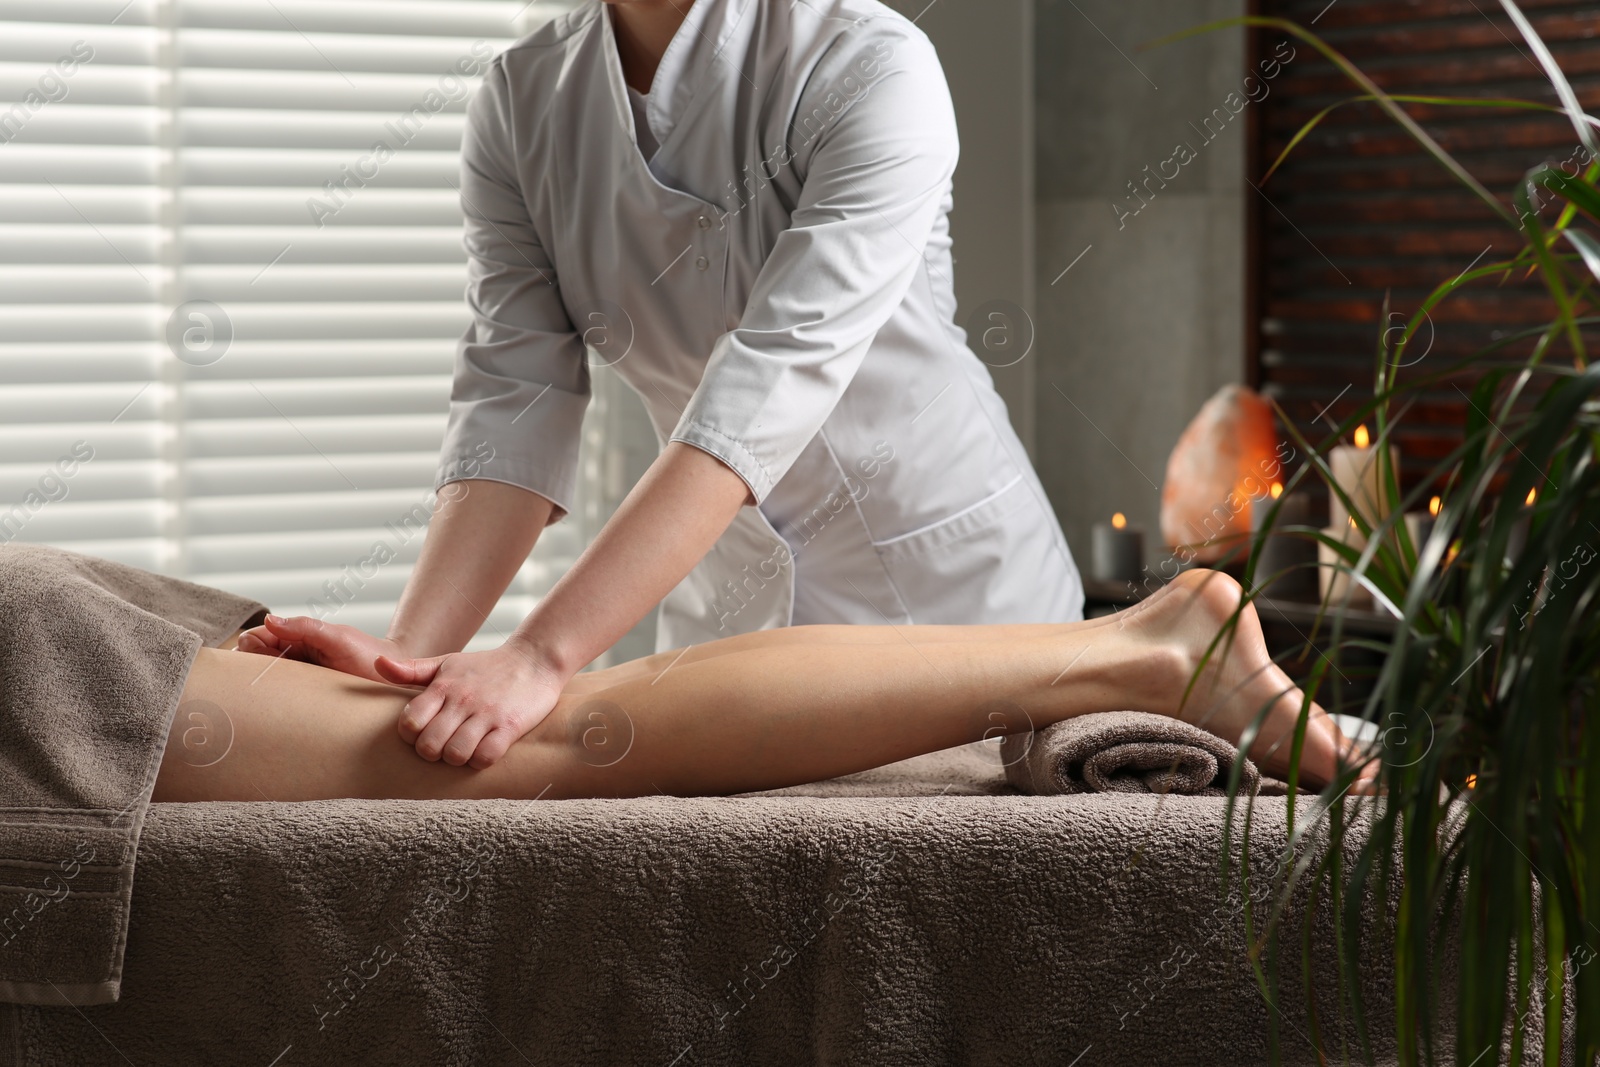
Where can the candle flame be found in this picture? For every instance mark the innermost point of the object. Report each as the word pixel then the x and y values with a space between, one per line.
pixel 1472 780
pixel 1276 490
pixel 1352 521
pixel 1119 520
pixel 1362 438
pixel 1533 494
pixel 1434 505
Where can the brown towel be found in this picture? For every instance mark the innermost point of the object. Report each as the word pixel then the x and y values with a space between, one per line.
pixel 1126 752
pixel 93 658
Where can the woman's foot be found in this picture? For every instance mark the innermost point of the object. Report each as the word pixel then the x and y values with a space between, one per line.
pixel 1239 679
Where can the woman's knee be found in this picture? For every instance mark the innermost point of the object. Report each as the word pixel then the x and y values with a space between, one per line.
pixel 582 746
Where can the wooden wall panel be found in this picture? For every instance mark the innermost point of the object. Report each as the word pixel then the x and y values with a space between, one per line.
pixel 1360 210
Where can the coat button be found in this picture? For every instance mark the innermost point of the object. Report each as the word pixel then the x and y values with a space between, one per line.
pixel 703 222
pixel 702 263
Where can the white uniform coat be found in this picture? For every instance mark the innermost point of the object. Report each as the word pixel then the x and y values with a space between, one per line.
pixel 775 282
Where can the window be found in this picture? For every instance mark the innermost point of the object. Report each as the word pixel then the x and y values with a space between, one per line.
pixel 231 283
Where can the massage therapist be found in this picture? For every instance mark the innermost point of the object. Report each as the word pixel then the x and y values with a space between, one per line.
pixel 742 206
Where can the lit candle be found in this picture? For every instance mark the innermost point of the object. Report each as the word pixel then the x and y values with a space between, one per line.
pixel 1118 550
pixel 1519 532
pixel 1286 566
pixel 1419 525
pixel 1334 573
pixel 1356 470
pixel 1293 510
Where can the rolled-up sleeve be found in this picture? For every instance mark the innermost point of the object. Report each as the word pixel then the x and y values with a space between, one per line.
pixel 876 136
pixel 521 381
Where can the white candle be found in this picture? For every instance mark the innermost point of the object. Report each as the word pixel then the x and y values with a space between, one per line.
pixel 1357 471
pixel 1334 573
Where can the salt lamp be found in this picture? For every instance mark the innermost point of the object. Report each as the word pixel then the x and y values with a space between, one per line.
pixel 1226 457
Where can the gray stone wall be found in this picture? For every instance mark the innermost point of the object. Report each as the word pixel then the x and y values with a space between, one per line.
pixel 1149 321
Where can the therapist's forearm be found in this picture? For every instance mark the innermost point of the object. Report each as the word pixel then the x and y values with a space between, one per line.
pixel 666 525
pixel 480 533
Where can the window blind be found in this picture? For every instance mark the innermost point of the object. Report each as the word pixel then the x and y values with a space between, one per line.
pixel 231 283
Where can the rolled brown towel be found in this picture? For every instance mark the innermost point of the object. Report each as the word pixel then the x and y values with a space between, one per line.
pixel 1126 752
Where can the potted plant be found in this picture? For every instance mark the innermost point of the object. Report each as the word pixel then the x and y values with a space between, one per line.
pixel 1483 843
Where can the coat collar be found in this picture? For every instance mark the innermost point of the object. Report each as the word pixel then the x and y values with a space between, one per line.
pixel 696 50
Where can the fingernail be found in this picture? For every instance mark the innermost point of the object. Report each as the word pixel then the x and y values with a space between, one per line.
pixel 274 618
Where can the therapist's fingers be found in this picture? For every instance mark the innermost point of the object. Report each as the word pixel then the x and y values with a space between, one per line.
pixel 408 671
pixel 418 713
pixel 464 742
pixel 324 643
pixel 441 727
pixel 296 630
pixel 260 640
pixel 495 744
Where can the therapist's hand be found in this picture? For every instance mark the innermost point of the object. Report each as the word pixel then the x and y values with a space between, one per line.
pixel 477 704
pixel 327 644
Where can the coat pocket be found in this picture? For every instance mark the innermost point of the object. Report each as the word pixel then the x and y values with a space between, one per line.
pixel 995 561
pixel 963 524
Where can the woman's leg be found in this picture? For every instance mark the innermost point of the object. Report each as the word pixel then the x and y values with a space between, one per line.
pixel 829 634
pixel 792 706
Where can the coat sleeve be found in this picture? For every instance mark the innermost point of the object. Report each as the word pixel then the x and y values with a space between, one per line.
pixel 876 134
pixel 521 380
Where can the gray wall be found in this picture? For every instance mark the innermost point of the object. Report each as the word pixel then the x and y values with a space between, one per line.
pixel 987 50
pixel 1149 323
